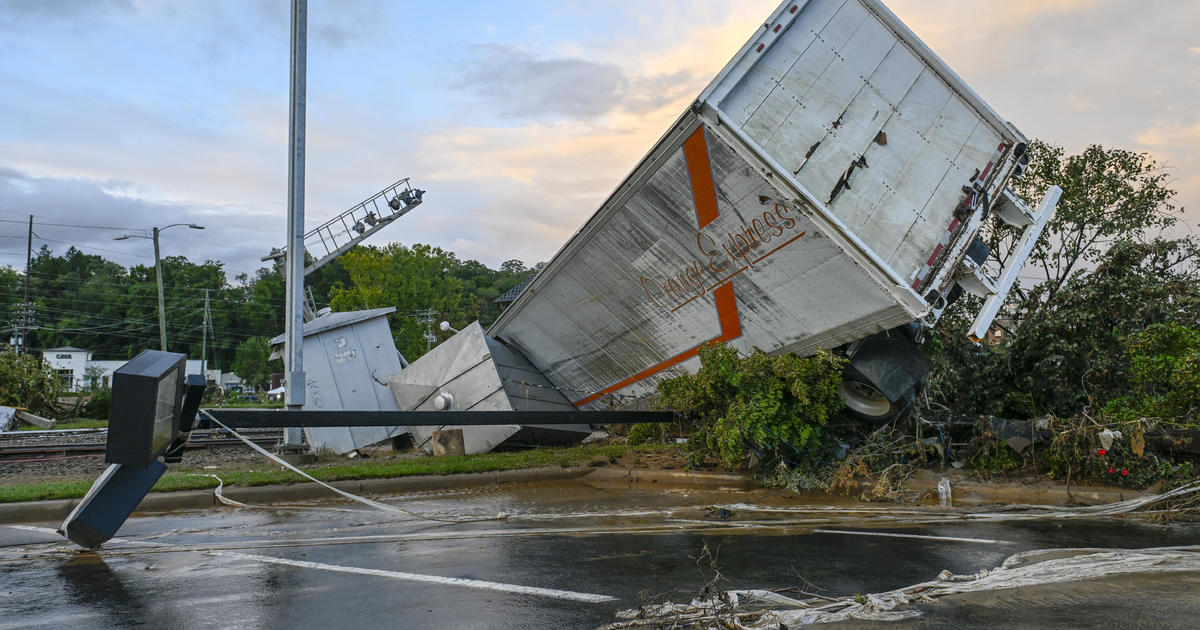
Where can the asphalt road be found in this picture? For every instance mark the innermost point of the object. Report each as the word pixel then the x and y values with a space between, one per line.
pixel 568 555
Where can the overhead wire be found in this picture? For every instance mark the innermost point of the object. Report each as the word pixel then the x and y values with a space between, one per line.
pixel 70 225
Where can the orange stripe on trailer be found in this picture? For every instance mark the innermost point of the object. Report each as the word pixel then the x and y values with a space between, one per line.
pixel 704 192
pixel 731 328
pixel 727 314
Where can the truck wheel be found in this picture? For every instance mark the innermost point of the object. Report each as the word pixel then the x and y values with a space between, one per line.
pixel 864 400
pixel 884 372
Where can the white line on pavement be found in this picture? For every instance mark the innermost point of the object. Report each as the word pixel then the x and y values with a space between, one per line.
pixel 590 598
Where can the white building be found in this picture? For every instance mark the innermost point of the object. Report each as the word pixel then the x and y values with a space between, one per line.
pixel 69 363
pixel 78 371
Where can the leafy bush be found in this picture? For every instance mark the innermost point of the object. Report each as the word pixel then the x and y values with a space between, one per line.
pixel 771 404
pixel 26 382
pixel 1164 371
pixel 97 406
pixel 1073 352
pixel 647 433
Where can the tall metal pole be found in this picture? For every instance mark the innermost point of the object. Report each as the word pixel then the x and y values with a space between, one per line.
pixel 26 308
pixel 295 249
pixel 162 310
pixel 204 340
pixel 28 259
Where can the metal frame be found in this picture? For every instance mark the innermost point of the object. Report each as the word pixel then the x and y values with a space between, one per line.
pixel 1008 277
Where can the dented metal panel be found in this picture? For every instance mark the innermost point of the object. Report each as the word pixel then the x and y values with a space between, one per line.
pixel 858 76
pixel 470 372
pixel 349 357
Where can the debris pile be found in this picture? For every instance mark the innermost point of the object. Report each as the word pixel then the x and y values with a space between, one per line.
pixel 770 609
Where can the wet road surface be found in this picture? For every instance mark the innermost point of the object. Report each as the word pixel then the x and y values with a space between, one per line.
pixel 568 555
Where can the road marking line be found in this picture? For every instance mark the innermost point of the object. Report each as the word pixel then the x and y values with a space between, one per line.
pixel 431 579
pixel 986 541
pixel 590 598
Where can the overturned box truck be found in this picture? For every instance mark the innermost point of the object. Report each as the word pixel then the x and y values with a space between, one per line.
pixel 824 191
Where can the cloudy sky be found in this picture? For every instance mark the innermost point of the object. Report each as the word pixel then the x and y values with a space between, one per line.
pixel 518 118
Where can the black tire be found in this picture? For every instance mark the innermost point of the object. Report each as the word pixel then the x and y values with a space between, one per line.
pixel 865 402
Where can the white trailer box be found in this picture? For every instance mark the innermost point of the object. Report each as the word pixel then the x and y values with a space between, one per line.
pixel 824 187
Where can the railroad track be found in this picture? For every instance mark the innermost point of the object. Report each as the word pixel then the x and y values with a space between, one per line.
pixel 40 452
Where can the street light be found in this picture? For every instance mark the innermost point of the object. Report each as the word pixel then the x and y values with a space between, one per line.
pixel 162 311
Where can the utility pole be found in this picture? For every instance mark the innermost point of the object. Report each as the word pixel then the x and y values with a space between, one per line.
pixel 426 317
pixel 294 279
pixel 162 309
pixel 28 258
pixel 204 340
pixel 25 324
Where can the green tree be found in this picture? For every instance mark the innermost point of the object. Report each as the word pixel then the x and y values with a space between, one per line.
pixel 1098 278
pixel 1164 370
pixel 26 382
pixel 418 278
pixel 1109 196
pixel 11 284
pixel 252 363
pixel 772 404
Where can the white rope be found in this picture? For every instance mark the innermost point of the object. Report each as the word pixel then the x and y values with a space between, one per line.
pixel 1030 568
pixel 383 507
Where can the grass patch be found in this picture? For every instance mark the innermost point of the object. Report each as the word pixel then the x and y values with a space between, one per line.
pixel 81 423
pixel 488 462
pixel 43 490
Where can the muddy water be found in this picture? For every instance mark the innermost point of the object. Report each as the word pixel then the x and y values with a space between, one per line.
pixel 567 555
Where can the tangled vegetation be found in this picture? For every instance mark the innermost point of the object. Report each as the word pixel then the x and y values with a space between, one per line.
pixel 26 382
pixel 1078 452
pixel 764 407
pixel 1102 335
pixel 1164 376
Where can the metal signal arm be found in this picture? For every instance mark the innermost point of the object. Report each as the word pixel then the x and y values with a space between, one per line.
pixel 341 233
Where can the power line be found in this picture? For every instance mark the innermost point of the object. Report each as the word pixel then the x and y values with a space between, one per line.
pixel 71 225
pixel 98 249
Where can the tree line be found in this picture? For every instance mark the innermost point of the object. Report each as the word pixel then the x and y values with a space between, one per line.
pixel 87 301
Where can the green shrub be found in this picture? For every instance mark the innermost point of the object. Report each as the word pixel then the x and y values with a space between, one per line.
pixel 1164 372
pixel 26 382
pixel 647 433
pixel 773 406
pixel 97 406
